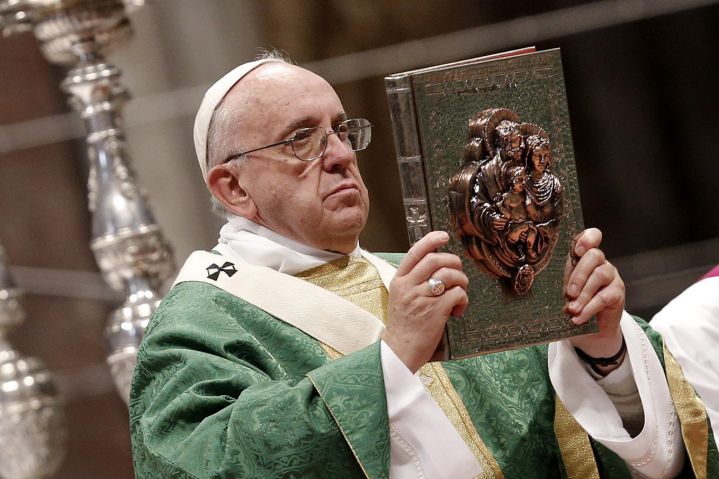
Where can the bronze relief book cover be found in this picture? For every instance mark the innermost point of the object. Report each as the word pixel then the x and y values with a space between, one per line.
pixel 484 150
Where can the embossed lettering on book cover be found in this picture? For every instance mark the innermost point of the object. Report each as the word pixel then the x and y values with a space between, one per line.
pixel 485 153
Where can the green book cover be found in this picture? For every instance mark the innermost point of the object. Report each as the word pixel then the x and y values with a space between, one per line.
pixel 484 149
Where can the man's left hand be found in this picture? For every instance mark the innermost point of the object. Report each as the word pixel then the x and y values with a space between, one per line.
pixel 593 288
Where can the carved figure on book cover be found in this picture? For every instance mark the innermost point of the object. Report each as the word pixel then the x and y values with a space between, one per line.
pixel 544 191
pixel 416 223
pixel 512 206
pixel 505 202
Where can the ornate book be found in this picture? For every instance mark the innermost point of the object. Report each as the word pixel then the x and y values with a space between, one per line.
pixel 484 150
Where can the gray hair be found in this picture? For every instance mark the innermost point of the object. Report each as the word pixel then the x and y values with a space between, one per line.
pixel 222 140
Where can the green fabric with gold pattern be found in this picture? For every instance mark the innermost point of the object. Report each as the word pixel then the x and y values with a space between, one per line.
pixel 222 389
pixel 511 402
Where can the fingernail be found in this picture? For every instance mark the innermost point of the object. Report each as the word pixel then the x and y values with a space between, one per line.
pixel 575 320
pixel 572 290
pixel 574 306
pixel 580 250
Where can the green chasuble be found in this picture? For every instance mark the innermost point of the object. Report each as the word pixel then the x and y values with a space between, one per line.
pixel 222 389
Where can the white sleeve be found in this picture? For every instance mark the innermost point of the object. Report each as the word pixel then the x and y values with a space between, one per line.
pixel 690 327
pixel 622 390
pixel 657 451
pixel 423 442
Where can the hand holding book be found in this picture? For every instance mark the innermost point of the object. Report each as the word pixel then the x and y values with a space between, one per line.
pixel 416 315
pixel 594 288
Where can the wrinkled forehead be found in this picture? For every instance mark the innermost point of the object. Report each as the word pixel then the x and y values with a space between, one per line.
pixel 281 94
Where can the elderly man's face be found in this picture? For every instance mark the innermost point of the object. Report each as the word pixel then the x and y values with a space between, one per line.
pixel 321 203
pixel 512 145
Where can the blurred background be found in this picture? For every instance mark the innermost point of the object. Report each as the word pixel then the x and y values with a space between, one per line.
pixel 641 82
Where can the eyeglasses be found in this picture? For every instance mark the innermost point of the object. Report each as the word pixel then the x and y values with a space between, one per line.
pixel 310 143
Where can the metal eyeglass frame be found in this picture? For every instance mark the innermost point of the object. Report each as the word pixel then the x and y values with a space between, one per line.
pixel 333 131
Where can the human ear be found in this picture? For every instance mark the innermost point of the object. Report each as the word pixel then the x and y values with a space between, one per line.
pixel 228 189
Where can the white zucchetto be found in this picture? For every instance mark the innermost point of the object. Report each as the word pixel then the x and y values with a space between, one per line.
pixel 213 97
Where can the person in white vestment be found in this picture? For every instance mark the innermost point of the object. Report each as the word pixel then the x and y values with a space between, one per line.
pixel 689 325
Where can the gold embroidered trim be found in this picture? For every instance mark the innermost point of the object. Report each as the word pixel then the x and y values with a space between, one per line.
pixel 331 352
pixel 444 394
pixel 353 279
pixel 692 415
pixel 574 444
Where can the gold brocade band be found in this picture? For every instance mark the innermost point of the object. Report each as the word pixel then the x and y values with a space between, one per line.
pixel 353 279
pixel 692 415
pixel 574 444
pixel 444 394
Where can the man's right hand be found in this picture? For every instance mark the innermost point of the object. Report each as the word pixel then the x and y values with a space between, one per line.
pixel 415 317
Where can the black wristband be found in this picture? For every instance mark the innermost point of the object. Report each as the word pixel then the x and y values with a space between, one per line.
pixel 603 362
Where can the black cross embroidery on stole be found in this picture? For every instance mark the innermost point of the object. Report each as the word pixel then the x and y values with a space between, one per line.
pixel 213 271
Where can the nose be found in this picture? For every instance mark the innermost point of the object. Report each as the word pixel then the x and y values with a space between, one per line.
pixel 338 155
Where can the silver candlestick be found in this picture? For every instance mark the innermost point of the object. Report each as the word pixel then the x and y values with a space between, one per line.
pixel 32 429
pixel 129 246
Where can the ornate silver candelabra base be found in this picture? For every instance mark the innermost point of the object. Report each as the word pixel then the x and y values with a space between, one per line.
pixel 128 244
pixel 126 326
pixel 32 424
pixel 32 429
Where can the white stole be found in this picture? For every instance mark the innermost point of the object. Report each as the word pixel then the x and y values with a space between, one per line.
pixel 307 307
